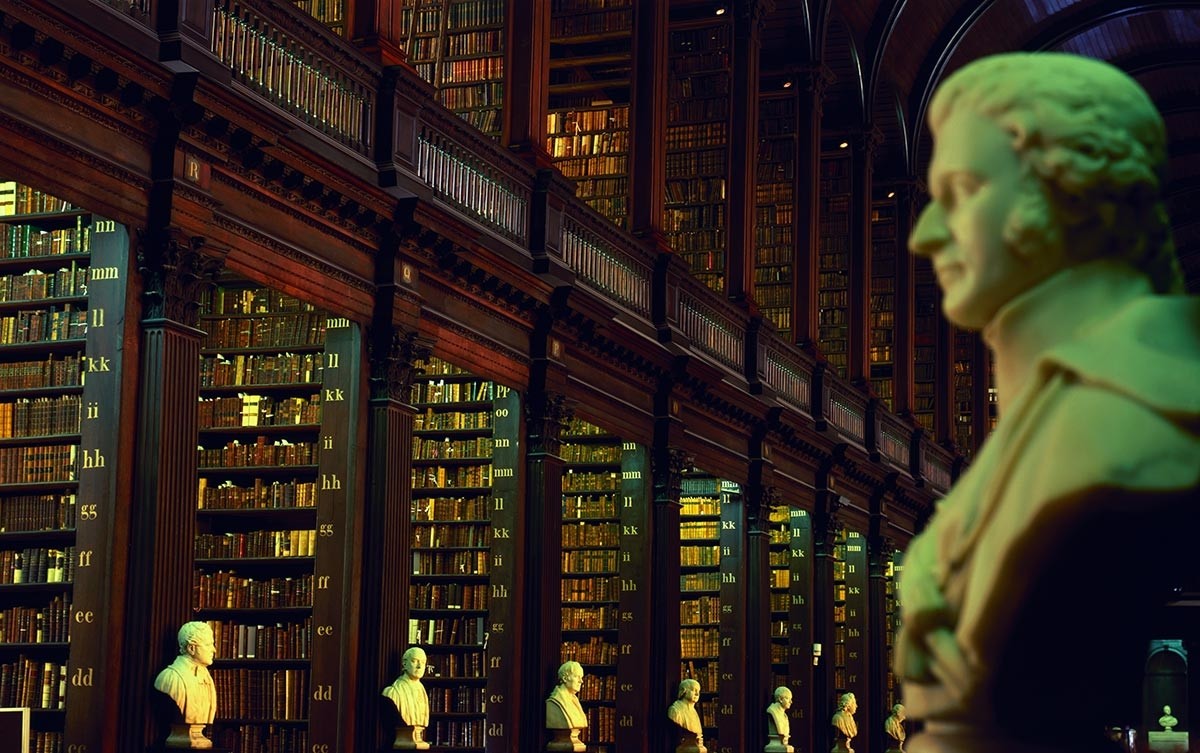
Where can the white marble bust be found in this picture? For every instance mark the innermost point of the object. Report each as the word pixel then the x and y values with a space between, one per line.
pixel 844 726
pixel 565 717
pixel 411 701
pixel 682 712
pixel 188 683
pixel 779 728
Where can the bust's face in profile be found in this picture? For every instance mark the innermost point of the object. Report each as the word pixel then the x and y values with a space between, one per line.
pixel 691 692
pixel 414 665
pixel 976 179
pixel 573 680
pixel 201 648
pixel 784 700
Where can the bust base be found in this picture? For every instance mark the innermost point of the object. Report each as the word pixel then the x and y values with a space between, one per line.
pixel 690 742
pixel 410 738
pixel 777 743
pixel 566 741
pixel 842 746
pixel 1168 741
pixel 187 737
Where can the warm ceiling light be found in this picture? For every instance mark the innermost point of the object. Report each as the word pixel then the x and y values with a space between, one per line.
pixel 843 145
pixel 891 194
pixel 787 84
pixel 720 10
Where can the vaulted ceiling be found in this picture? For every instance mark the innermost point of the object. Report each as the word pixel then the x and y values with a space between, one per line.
pixel 888 56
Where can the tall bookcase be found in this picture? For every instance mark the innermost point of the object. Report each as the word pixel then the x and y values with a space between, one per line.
pixel 276 424
pixel 710 546
pixel 882 320
pixel 695 214
pixel 833 263
pixel 855 637
pixel 799 659
pixel 603 559
pixel 774 220
pixel 591 58
pixel 458 46
pixel 781 579
pixel 332 13
pixel 925 325
pixel 62 294
pixel 463 552
pixel 891 624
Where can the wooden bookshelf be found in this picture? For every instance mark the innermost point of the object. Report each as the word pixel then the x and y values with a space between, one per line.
pixel 926 310
pixel 855 638
pixel 464 508
pixel 458 46
pixel 587 127
pixel 892 571
pixel 780 588
pixel 708 552
pixel 882 317
pixel 62 293
pixel 833 264
pixel 695 213
pixel 964 390
pixel 774 221
pixel 276 380
pixel 332 13
pixel 799 666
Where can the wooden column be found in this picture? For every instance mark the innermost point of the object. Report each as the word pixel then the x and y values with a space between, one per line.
pixel 163 514
pixel 879 552
pixel 648 118
pixel 862 160
pixel 813 81
pixel 547 414
pixel 526 78
pixel 902 341
pixel 375 26
pixel 748 21
pixel 761 498
pixel 825 525
pixel 387 521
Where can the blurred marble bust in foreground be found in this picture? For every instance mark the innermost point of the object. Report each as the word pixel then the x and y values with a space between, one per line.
pixel 1047 232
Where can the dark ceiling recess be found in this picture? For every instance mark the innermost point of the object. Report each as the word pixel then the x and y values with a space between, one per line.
pixel 891 54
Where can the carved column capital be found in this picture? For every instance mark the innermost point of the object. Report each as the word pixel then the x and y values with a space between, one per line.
pixel 547 417
pixel 816 80
pixel 393 363
pixel 667 471
pixel 174 271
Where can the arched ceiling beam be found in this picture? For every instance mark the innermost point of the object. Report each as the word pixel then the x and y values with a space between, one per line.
pixel 878 37
pixel 1074 19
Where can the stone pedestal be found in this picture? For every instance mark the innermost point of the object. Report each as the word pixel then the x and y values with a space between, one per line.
pixel 842 745
pixel 690 742
pixel 410 738
pixel 566 740
pixel 1168 742
pixel 777 743
pixel 187 737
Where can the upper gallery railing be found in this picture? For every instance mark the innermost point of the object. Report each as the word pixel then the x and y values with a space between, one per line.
pixel 292 61
pixel 607 259
pixel 790 375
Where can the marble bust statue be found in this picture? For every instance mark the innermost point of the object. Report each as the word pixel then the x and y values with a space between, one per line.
pixel 894 727
pixel 408 695
pixel 187 682
pixel 1048 232
pixel 844 726
pixel 1166 721
pixel 683 713
pixel 565 717
pixel 779 729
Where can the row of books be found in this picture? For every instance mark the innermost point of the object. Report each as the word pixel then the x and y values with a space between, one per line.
pixel 240 300
pixel 603 119
pixel 227 590
pixel 450 563
pixel 258 410
pixel 236 640
pixel 700 556
pixel 602 617
pixel 699 643
pixel 447 534
pixel 452 392
pixel 694 190
pixel 448 596
pixel 591 535
pixel 596 588
pixel 693 163
pixel 431 420
pixel 454 700
pixel 442 477
pixel 48 624
pixel 595 651
pixel 35 684
pixel 36 285
pixel 291 543
pixel 27 241
pixel 40 416
pixel 17 198
pixel 42 741
pixel 262 738
pixel 51 372
pixel 40 464
pixel 692 530
pixel 589 561
pixel 690 136
pixel 598 688
pixel 455 665
pixel 588 144
pixel 222 370
pixel 703 217
pixel 601 187
pixel 476 448
pixel 37 565
pixel 579 24
pixel 450 509
pixel 455 734
pixel 446 631
pixel 301 329
pixel 260 495
pixel 612 164
pixel 692 582
pixel 703 610
pixel 261 694
pixel 37 512
pixel 589 506
pixel 263 452
pixel 44 325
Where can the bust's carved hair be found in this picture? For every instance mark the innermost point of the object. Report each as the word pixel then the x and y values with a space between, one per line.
pixel 1093 138
pixel 686 683
pixel 569 668
pixel 190 633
